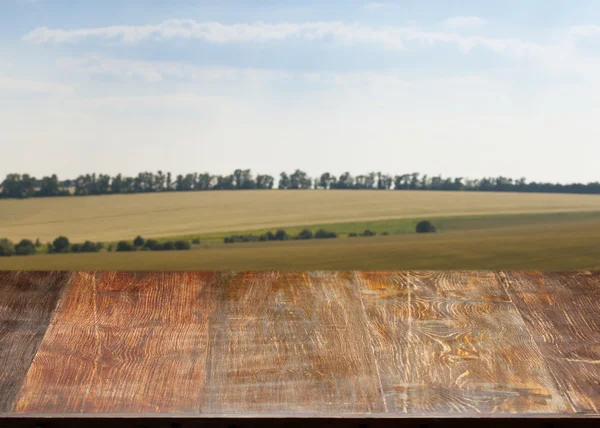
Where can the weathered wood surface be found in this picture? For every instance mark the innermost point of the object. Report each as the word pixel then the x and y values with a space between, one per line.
pixel 563 315
pixel 382 344
pixel 124 343
pixel 454 342
pixel 290 341
pixel 27 301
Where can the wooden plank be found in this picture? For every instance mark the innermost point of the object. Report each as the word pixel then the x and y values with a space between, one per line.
pixel 290 343
pixel 449 343
pixel 124 343
pixel 562 311
pixel 27 301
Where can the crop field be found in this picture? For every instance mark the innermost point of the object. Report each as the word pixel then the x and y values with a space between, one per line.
pixel 558 243
pixel 112 218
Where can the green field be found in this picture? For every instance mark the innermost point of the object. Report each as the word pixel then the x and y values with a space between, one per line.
pixel 549 242
pixel 111 218
pixel 475 230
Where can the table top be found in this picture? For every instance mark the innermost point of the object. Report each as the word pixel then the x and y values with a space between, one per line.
pixel 300 344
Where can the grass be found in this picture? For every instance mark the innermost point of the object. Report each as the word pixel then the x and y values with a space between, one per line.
pixel 565 243
pixel 111 218
pixel 405 226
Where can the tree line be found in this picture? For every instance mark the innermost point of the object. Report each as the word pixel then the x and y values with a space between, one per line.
pixel 62 245
pixel 27 186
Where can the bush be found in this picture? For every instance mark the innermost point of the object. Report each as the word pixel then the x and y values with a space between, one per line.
pixel 196 241
pixel 38 243
pixel 425 227
pixel 61 245
pixel 167 246
pixel 110 248
pixel 123 246
pixel 323 234
pixel 86 247
pixel 25 247
pixel 270 236
pixel 152 244
pixel 305 234
pixel 368 233
pixel 384 233
pixel 243 238
pixel 352 235
pixel 139 241
pixel 6 248
pixel 182 245
pixel 281 235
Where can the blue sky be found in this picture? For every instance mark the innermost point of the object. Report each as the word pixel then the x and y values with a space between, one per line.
pixel 461 88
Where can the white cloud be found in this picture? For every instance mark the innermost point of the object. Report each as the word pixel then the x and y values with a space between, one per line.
pixel 388 37
pixel 396 38
pixel 458 22
pixel 8 84
pixel 221 33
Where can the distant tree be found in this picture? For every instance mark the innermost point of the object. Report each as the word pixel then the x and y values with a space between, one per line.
pixel 139 241
pixel 38 243
pixel 196 241
pixel 352 235
pixel 305 234
pixel 346 181
pixel 167 246
pixel 264 182
pixel 90 247
pixel 323 234
pixel 152 244
pixel 110 248
pixel 384 233
pixel 61 245
pixel 300 180
pixel 182 245
pixel 123 246
pixel 425 226
pixel 18 186
pixel 368 233
pixel 325 180
pixel 50 187
pixel 281 235
pixel 284 181
pixel 169 182
pixel 6 248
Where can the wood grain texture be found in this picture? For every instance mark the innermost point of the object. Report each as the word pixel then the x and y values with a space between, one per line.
pixel 27 301
pixel 562 310
pixel 292 342
pixel 454 343
pixel 265 344
pixel 124 343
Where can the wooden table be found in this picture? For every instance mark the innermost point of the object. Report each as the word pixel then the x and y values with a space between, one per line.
pixel 373 346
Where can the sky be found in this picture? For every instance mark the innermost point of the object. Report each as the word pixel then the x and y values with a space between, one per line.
pixel 459 88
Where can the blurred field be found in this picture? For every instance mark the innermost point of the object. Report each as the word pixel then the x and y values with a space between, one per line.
pixel 558 245
pixel 111 218
pixel 407 225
